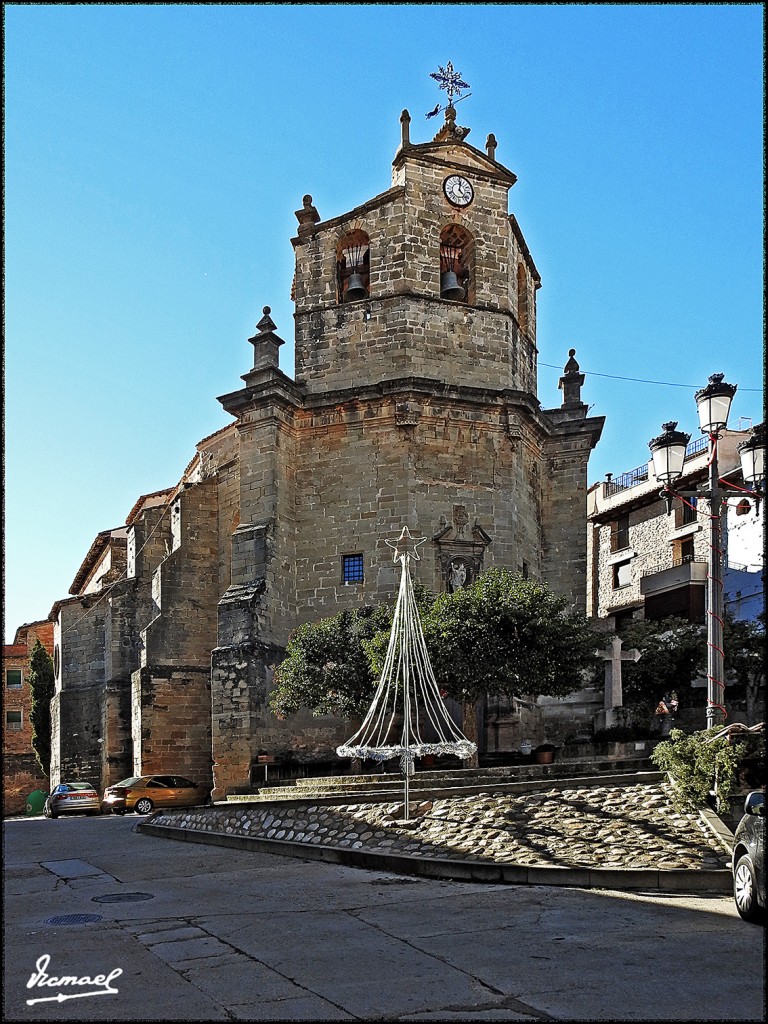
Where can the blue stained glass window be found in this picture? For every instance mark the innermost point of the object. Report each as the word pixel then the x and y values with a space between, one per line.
pixel 352 568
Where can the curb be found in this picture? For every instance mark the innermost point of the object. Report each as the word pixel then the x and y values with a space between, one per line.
pixel 715 825
pixel 721 831
pixel 660 879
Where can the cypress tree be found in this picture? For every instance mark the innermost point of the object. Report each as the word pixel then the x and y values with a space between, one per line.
pixel 41 684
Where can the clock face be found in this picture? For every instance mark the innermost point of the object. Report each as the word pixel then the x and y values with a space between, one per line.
pixel 458 191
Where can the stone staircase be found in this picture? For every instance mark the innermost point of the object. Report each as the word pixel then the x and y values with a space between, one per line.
pixel 384 786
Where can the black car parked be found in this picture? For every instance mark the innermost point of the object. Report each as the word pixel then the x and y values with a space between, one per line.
pixel 749 859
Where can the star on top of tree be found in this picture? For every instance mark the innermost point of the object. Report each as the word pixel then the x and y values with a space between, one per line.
pixel 449 80
pixel 405 545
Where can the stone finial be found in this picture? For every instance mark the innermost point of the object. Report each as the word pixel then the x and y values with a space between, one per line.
pixel 307 216
pixel 490 146
pixel 266 323
pixel 266 343
pixel 571 382
pixel 571 366
pixel 405 127
pixel 451 132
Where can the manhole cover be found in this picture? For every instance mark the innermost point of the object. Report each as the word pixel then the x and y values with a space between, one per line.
pixel 123 897
pixel 74 919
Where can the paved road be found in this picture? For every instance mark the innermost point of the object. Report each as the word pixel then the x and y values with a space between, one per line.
pixel 239 935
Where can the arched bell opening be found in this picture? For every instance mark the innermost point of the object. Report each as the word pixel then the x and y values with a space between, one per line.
pixel 456 264
pixel 353 267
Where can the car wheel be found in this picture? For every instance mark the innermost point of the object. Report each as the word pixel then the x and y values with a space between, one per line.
pixel 144 805
pixel 745 890
pixel 47 811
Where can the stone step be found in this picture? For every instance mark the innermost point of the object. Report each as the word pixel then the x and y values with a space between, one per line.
pixel 466 775
pixel 372 787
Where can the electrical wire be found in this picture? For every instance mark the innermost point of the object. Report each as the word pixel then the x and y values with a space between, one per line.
pixel 639 380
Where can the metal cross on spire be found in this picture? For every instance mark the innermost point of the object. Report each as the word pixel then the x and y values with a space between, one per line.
pixel 453 84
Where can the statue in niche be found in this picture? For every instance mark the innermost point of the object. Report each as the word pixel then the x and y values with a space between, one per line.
pixel 457 575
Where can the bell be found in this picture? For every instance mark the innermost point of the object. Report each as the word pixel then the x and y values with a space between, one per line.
pixel 356 289
pixel 450 287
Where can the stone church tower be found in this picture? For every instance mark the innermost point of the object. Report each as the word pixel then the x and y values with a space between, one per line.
pixel 414 402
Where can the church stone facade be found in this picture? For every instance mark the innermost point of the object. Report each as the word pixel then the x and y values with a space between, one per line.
pixel 414 402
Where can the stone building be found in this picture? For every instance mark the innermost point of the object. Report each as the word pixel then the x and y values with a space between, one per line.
pixel 21 771
pixel 647 564
pixel 414 402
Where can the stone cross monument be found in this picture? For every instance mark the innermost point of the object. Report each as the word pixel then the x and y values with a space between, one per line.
pixel 613 656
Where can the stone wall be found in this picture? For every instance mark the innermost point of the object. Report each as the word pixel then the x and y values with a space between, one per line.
pixel 185 585
pixel 21 772
pixel 76 705
pixel 376 468
pixel 21 776
pixel 130 608
pixel 171 722
pixel 553 720
pixel 564 501
pixel 171 730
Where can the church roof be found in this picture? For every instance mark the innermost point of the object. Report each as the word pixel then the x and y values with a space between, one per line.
pixel 96 550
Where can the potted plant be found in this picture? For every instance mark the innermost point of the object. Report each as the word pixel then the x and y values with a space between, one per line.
pixel 545 753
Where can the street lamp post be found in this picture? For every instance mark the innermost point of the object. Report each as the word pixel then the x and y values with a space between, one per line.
pixel 668 452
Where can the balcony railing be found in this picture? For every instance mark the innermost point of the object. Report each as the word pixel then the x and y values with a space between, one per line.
pixel 634 476
pixel 640 474
pixel 697 446
pixel 653 569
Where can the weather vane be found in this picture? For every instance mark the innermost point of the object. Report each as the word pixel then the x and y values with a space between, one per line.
pixel 453 84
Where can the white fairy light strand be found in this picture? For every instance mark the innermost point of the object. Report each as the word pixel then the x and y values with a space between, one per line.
pixel 407 673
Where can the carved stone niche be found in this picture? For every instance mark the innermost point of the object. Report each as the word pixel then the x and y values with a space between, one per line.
pixel 512 426
pixel 460 550
pixel 407 414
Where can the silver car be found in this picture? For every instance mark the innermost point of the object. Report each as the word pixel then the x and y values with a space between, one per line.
pixel 749 859
pixel 72 798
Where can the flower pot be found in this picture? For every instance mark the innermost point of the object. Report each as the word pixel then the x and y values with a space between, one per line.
pixel 544 756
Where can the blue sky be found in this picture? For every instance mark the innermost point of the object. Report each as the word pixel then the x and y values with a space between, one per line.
pixel 155 155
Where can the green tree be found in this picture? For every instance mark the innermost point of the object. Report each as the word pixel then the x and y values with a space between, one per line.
pixel 744 645
pixel 326 667
pixel 41 684
pixel 503 634
pixel 506 635
pixel 673 654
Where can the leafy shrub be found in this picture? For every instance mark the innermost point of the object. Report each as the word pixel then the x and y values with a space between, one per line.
pixel 700 765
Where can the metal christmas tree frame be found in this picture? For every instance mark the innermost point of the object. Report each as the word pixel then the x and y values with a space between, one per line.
pixel 407 718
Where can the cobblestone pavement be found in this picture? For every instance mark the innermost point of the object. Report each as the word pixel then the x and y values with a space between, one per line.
pixel 634 826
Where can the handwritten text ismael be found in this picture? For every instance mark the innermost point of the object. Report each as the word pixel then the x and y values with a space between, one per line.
pixel 100 983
